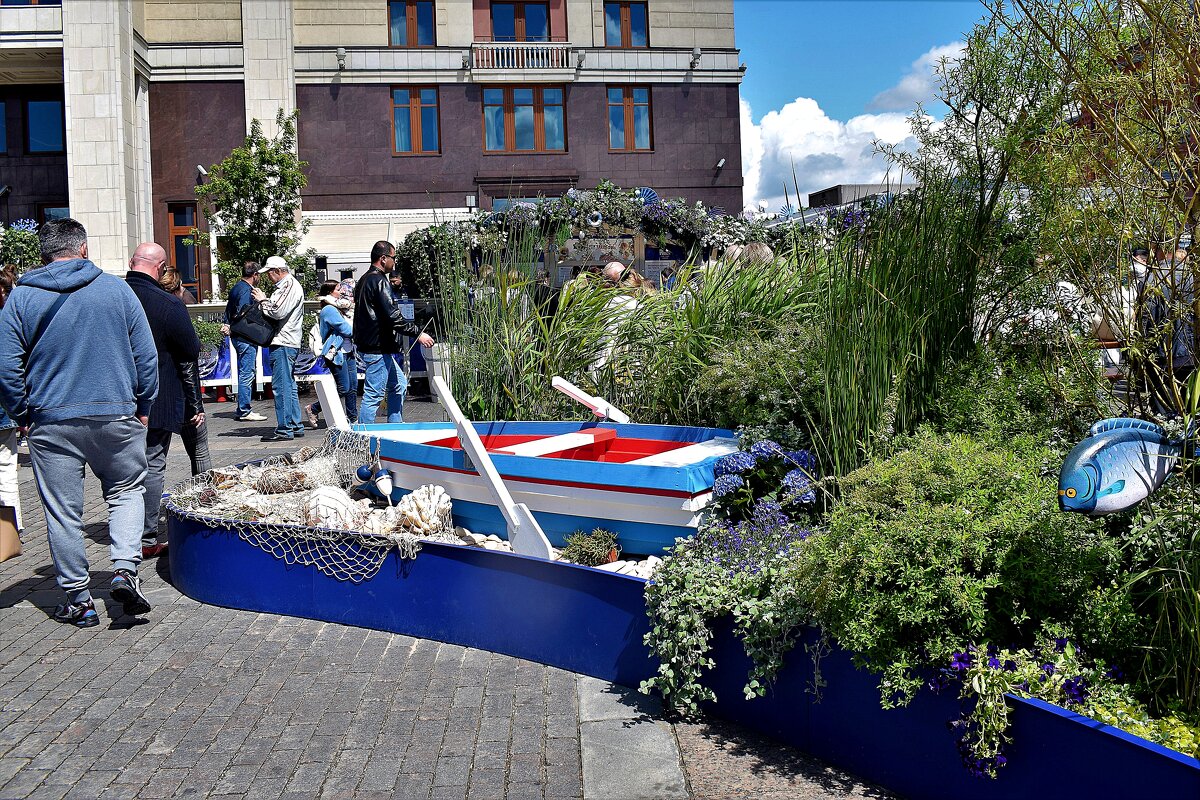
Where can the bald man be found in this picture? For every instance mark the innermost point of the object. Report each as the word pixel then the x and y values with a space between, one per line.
pixel 177 345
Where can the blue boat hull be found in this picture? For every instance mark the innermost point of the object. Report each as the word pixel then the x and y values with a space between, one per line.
pixel 593 622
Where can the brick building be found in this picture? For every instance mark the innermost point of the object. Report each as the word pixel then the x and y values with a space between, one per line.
pixel 410 110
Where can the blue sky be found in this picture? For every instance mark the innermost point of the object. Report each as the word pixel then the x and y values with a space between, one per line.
pixel 826 78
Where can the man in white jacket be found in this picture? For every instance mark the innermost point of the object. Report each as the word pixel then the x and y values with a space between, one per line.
pixel 285 304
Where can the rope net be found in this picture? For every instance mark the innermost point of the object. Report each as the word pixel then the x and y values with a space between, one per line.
pixel 301 509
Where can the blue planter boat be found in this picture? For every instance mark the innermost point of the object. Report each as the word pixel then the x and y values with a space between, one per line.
pixel 593 622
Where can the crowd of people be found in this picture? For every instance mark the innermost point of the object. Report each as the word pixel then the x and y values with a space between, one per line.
pixel 115 406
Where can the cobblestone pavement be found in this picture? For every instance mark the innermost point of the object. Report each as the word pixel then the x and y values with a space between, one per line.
pixel 201 701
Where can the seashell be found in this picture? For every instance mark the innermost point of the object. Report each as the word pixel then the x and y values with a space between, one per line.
pixel 278 480
pixel 329 507
pixel 208 498
pixel 302 455
pixel 425 511
pixel 595 218
pixel 225 478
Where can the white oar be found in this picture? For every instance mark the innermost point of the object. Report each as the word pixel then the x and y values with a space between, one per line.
pixel 524 533
pixel 599 406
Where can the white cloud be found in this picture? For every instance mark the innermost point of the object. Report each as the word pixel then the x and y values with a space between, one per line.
pixel 823 151
pixel 918 85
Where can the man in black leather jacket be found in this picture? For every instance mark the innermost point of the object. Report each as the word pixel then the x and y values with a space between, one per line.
pixel 378 326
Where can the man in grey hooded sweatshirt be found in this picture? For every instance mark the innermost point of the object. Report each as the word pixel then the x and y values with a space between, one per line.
pixel 79 370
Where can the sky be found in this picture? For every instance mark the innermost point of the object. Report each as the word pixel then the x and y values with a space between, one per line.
pixel 826 78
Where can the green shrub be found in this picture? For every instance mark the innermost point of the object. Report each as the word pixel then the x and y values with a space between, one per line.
pixel 590 549
pixel 945 543
pixel 1029 400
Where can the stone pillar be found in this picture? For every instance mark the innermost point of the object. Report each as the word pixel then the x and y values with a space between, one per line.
pixel 268 60
pixel 104 129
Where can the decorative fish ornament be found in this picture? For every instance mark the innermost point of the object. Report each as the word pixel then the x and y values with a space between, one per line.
pixel 1119 464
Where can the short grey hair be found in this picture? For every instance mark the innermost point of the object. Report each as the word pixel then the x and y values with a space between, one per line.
pixel 61 238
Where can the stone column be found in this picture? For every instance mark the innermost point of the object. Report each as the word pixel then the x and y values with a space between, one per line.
pixel 104 129
pixel 268 60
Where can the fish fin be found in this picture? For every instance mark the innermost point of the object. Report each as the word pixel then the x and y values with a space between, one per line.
pixel 1124 423
pixel 1116 487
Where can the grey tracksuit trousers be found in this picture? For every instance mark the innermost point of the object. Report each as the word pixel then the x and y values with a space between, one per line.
pixel 115 449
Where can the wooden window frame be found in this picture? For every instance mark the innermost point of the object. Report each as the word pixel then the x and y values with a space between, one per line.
pixel 510 121
pixel 173 231
pixel 628 104
pixel 414 119
pixel 519 33
pixel 410 24
pixel 626 25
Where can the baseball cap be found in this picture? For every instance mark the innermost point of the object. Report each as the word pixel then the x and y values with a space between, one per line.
pixel 274 262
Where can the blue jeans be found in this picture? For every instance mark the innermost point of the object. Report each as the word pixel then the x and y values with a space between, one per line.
pixel 347 380
pixel 245 362
pixel 384 378
pixel 287 398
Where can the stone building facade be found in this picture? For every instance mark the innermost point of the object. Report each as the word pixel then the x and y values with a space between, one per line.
pixel 410 110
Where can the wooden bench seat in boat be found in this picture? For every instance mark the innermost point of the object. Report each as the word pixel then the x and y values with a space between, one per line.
pixel 557 444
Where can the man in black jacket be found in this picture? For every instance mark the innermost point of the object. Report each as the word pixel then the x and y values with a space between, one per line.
pixel 177 345
pixel 378 326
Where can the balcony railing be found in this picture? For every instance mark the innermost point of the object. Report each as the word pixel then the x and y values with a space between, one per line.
pixel 521 56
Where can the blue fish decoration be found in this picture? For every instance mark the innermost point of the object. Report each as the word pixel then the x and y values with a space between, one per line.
pixel 1120 463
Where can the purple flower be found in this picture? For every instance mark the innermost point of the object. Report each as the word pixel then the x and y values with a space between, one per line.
pixel 1115 673
pixel 1048 669
pixel 735 463
pixel 727 484
pixel 960 662
pixel 993 663
pixel 1023 686
pixel 1060 645
pixel 1001 760
pixel 1010 666
pixel 802 459
pixel 1076 690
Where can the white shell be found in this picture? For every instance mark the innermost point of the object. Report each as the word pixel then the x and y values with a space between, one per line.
pixel 329 507
pixel 425 511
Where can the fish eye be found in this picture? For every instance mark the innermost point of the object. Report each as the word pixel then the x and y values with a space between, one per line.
pixel 1071 492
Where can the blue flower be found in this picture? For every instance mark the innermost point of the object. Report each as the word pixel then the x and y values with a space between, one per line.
pixel 1060 645
pixel 798 488
pixel 25 225
pixel 1048 669
pixel 735 463
pixel 727 484
pixel 1115 673
pixel 802 459
pixel 766 449
pixel 993 663
pixel 1010 666
pixel 960 662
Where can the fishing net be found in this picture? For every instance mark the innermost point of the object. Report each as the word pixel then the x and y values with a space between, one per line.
pixel 300 508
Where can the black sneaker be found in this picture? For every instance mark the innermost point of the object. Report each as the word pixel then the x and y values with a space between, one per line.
pixel 81 615
pixel 126 589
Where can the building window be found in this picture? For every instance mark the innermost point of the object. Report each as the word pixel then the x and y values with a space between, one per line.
pixel 520 22
pixel 411 23
pixel 629 127
pixel 415 120
pixel 182 256
pixel 626 25
pixel 44 131
pixel 49 212
pixel 521 119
